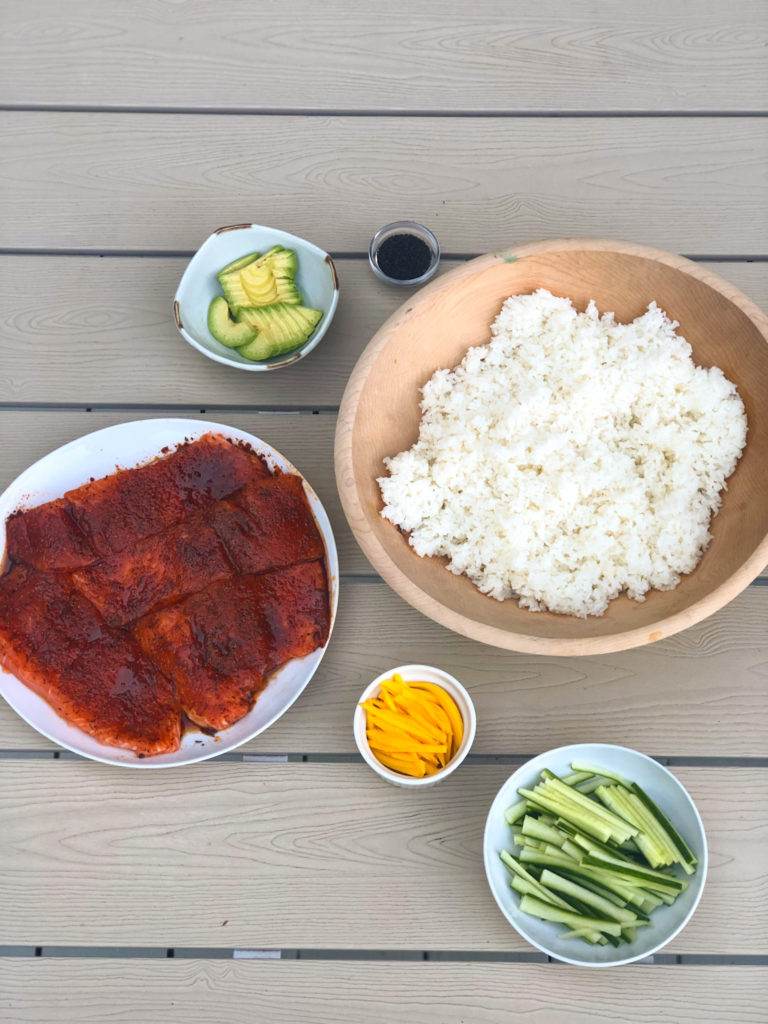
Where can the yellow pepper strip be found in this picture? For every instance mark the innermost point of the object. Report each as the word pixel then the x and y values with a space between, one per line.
pixel 372 705
pixel 415 768
pixel 382 716
pixel 397 748
pixel 388 700
pixel 448 705
pixel 414 711
pixel 434 711
pixel 394 741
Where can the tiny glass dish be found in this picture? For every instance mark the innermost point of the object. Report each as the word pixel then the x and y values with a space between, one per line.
pixel 404 227
pixel 412 674
pixel 316 279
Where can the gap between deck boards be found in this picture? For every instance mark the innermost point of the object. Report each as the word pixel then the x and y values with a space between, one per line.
pixel 125 108
pixel 350 255
pixel 241 757
pixel 440 955
pixel 437 955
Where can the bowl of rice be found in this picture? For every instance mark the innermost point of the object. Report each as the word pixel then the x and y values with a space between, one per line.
pixel 561 448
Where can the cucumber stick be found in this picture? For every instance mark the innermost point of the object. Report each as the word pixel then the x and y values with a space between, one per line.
pixel 583 766
pixel 519 871
pixel 608 910
pixel 537 829
pixel 515 812
pixel 653 843
pixel 530 905
pixel 687 859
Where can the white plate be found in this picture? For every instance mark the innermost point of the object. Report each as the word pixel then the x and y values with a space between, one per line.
pixel 96 455
pixel 663 788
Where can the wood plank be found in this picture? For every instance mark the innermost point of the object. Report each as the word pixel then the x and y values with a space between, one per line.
pixel 540 56
pixel 49 991
pixel 164 182
pixel 700 693
pixel 305 440
pixel 100 331
pixel 308 856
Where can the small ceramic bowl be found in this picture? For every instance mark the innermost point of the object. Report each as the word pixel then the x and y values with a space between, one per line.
pixel 315 278
pixel 454 689
pixel 404 227
pixel 666 792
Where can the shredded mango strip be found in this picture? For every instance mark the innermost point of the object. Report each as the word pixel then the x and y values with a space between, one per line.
pixel 414 728
pixel 414 768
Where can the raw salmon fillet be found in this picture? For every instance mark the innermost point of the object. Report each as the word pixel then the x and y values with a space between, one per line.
pixel 117 695
pixel 268 525
pixel 96 678
pixel 155 571
pixel 216 646
pixel 47 537
pixel 43 623
pixel 295 603
pixel 119 510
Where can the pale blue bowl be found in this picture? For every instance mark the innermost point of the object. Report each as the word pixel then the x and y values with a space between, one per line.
pixel 315 278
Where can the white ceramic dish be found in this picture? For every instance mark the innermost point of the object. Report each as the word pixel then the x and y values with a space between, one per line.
pixel 97 455
pixel 453 688
pixel 315 278
pixel 663 788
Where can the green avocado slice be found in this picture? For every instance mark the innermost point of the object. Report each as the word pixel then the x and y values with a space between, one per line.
pixel 281 327
pixel 238 264
pixel 224 329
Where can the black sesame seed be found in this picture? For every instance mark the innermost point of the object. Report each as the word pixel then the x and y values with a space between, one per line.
pixel 404 257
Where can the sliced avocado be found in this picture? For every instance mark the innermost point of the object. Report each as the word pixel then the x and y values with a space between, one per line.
pixel 288 292
pixel 235 294
pixel 269 254
pixel 259 284
pixel 282 262
pixel 239 264
pixel 280 327
pixel 224 329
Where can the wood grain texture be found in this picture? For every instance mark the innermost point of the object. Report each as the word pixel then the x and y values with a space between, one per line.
pixel 164 182
pixel 97 331
pixel 102 331
pixel 93 856
pixel 47 991
pixel 541 55
pixel 700 693
pixel 69 992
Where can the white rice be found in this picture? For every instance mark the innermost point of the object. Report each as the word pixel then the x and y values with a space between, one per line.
pixel 570 459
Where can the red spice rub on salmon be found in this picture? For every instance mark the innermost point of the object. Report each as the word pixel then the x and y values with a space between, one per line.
pixel 176 587
pixel 155 571
pixel 96 678
pixel 268 525
pixel 47 537
pixel 121 509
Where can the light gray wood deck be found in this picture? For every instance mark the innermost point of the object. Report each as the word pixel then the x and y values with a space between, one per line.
pixel 130 132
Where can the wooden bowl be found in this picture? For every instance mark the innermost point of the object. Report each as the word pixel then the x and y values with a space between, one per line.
pixel 380 415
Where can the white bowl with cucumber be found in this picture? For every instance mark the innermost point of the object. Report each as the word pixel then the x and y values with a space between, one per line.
pixel 595 854
pixel 256 298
